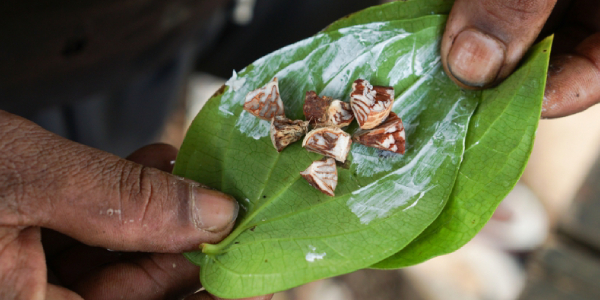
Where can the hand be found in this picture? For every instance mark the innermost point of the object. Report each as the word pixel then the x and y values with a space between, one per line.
pixel 485 40
pixel 86 201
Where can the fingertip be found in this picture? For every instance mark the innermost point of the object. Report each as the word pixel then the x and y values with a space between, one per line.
pixel 153 276
pixel 265 297
pixel 54 292
pixel 484 40
pixel 212 210
pixel 475 59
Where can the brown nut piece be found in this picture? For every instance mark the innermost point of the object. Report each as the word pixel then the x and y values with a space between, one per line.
pixel 285 131
pixel 322 175
pixel 339 114
pixel 323 111
pixel 371 104
pixel 265 102
pixel 388 136
pixel 329 141
pixel 315 108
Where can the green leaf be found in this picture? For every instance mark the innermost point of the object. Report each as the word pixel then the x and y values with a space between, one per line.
pixel 499 142
pixel 394 11
pixel 288 233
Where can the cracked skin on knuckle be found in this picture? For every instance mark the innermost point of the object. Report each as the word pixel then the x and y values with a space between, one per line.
pixel 516 13
pixel 149 196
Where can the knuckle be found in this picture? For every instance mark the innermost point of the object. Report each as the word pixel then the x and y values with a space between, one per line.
pixel 131 181
pixel 590 48
pixel 522 11
pixel 518 6
pixel 140 188
pixel 524 6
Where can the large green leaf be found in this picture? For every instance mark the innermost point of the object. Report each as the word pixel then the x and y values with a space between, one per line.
pixel 288 233
pixel 478 191
pixel 499 141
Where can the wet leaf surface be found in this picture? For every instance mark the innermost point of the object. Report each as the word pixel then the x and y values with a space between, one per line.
pixel 390 210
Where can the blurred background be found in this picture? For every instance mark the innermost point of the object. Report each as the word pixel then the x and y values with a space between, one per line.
pixel 117 75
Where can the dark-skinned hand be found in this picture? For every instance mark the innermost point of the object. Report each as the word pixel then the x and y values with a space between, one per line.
pixel 485 40
pixel 62 205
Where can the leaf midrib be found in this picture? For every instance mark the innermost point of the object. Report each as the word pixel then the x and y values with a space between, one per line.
pixel 243 227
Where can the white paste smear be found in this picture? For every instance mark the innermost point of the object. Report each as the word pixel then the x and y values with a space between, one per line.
pixel 252 126
pixel 312 256
pixel 235 83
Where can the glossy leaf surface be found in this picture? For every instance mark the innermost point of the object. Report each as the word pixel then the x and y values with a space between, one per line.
pixel 499 142
pixel 289 233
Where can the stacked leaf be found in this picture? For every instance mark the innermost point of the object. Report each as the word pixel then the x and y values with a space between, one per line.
pixel 465 151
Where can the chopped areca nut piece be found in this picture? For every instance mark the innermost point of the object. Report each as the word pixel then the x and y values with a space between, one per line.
pixel 371 104
pixel 340 114
pixel 388 136
pixel 315 108
pixel 323 111
pixel 285 131
pixel 329 141
pixel 322 175
pixel 265 102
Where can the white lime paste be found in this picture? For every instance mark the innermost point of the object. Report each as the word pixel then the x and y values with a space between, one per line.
pixel 235 83
pixel 382 198
pixel 252 126
pixel 312 255
pixel 234 99
pixel 410 182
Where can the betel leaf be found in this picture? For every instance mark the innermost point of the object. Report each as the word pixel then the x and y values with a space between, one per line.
pixel 477 192
pixel 410 9
pixel 499 141
pixel 288 233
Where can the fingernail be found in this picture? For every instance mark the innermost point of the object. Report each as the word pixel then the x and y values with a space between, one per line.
pixel 213 211
pixel 475 58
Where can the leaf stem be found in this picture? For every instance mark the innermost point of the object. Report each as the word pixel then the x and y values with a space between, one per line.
pixel 210 248
pixel 217 248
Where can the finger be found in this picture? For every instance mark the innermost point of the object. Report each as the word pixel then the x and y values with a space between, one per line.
pixel 70 265
pixel 156 276
pixel 159 156
pixel 484 40
pixel 573 80
pixel 67 259
pixel 100 199
pixel 54 292
pixel 70 259
pixel 200 296
pixel 206 296
pixel 55 242
pixel 71 269
pixel 266 297
pixel 22 272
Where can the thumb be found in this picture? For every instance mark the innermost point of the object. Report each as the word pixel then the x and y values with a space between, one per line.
pixel 485 39
pixel 103 200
